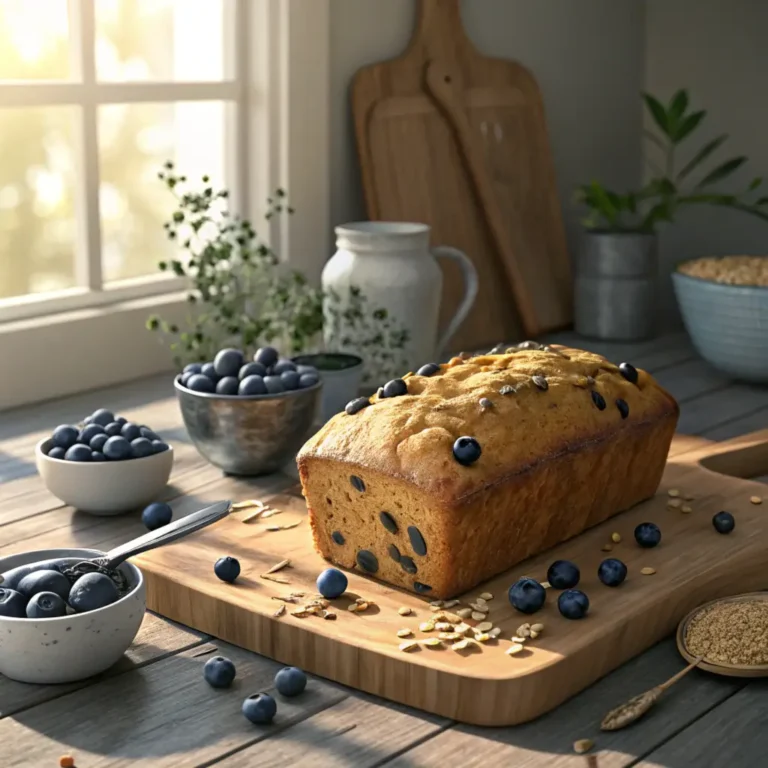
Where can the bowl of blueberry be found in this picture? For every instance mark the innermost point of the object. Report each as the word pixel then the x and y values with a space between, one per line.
pixel 248 417
pixel 60 627
pixel 106 465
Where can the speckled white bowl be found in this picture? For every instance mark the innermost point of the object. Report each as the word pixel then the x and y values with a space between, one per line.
pixel 69 648
pixel 105 487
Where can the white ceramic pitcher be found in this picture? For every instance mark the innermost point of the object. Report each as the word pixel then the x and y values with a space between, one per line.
pixel 394 267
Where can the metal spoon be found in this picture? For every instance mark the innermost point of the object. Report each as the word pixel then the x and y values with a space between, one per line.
pixel 74 567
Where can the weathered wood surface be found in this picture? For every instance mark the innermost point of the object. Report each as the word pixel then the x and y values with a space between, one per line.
pixel 154 709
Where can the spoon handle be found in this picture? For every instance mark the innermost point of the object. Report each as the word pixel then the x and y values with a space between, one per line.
pixel 682 673
pixel 166 534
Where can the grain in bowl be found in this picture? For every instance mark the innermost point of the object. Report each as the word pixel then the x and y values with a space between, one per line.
pixel 729 270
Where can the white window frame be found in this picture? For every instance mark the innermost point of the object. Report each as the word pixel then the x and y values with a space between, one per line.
pixel 93 336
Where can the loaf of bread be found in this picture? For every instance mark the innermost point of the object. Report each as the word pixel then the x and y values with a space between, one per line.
pixel 458 472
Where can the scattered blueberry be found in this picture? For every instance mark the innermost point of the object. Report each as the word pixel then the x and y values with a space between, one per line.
pixel 527 595
pixel 290 681
pixel 563 574
pixel 102 417
pixel 193 368
pixel 430 369
pixel 200 383
pixel 395 388
pixel 228 362
pixel 612 572
pixel 209 370
pixel 466 450
pixel 227 386
pixel 78 452
pixel 97 442
pixel 252 369
pixel 629 372
pixel 150 434
pixel 92 591
pixel 158 446
pixel 724 522
pixel 647 535
pixel 44 581
pixel 12 604
pixel 252 385
pixel 356 405
pixel 332 583
pixel 113 429
pixel 156 515
pixel 260 708
pixel 307 380
pixel 46 605
pixel 65 436
pixel 227 569
pixel 219 672
pixel 117 448
pixel 573 604
pixel 130 431
pixel 290 380
pixel 283 366
pixel 57 452
pixel 267 356
pixel 98 456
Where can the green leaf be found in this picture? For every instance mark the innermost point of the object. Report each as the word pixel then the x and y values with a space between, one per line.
pixel 723 170
pixel 658 112
pixel 755 183
pixel 688 125
pixel 762 201
pixel 677 106
pixel 702 155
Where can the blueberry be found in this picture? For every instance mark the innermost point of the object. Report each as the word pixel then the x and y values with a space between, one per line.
pixel 252 385
pixel 267 356
pixel 332 583
pixel 15 575
pixel 78 452
pixel 283 366
pixel 563 574
pixel 219 672
pixel 64 436
pixel 723 522
pixel 228 362
pixel 356 405
pixel 117 448
pixel 395 388
pixel 252 369
pixel 44 581
pixel 158 446
pixel 290 681
pixel 290 380
pixel 573 604
pixel 12 604
pixel 527 595
pixel 466 450
pixel 307 380
pixel 430 369
pixel 209 370
pixel 302 369
pixel 629 372
pixel 92 591
pixel 185 377
pixel 201 383
pixel 97 441
pixel 102 417
pixel 113 429
pixel 227 569
pixel 274 385
pixel 57 452
pixel 193 368
pixel 647 535
pixel 130 431
pixel 121 420
pixel 150 434
pixel 141 448
pixel 46 605
pixel 156 515
pixel 98 456
pixel 88 433
pixel 612 572
pixel 227 386
pixel 260 708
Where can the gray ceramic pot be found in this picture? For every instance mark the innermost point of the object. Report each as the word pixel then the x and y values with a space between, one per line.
pixel 616 286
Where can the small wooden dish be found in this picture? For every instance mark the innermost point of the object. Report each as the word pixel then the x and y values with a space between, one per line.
pixel 729 670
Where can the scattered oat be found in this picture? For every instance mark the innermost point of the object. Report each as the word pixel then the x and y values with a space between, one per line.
pixel 686 508
pixel 537 627
pixel 464 613
pixel 524 630
pixel 449 636
pixel 278 567
pixel 675 503
pixel 409 645
pixel 404 632
pixel 451 618
pixel 647 571
pixel 404 610
pixel 546 584
pixel 495 632
pixel 519 639
pixel 482 637
pixel 247 504
pixel 301 613
pixel 280 611
pixel 277 579
pixel 329 615
pixel 673 492
pixel 514 649
pixel 436 604
pixel 253 516
pixel 484 626
pixel 479 607
pixel 443 626
pixel 451 603
pixel 269 512
pixel 433 642
pixel 427 626
pixel 486 596
pixel 755 499
pixel 286 527
pixel 584 745
pixel 461 645
pixel 462 628
pixel 607 548
pixel 358 607
pixel 534 634
pixel 477 616
pixel 288 599
pixel 615 537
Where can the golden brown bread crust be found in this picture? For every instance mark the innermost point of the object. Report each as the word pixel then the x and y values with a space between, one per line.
pixel 553 463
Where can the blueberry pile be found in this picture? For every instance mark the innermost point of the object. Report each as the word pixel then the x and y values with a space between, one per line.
pixel 102 436
pixel 47 593
pixel 231 374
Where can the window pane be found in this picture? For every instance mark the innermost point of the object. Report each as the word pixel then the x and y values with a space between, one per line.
pixel 33 40
pixel 160 39
pixel 135 141
pixel 37 208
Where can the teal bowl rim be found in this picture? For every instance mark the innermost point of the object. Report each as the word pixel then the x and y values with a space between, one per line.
pixel 182 390
pixel 678 275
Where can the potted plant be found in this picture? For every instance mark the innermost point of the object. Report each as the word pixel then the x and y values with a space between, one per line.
pixel 239 295
pixel 617 273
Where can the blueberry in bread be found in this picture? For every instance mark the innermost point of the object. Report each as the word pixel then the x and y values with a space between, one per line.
pixel 460 471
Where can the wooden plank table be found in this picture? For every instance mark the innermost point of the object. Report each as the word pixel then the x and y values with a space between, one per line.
pixel 152 709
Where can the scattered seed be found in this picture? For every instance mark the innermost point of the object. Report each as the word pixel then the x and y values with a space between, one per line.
pixel 443 626
pixel 278 567
pixel 451 603
pixel 584 745
pixel 519 638
pixel 404 632
pixel 462 628
pixel 253 516
pixel 514 649
pixel 449 636
pixel 464 613
pixel 688 497
pixel 615 538
pixel 289 599
pixel 461 645
pixel 286 527
pixel 481 600
pixel 686 509
pixel 524 630
pixel 537 628
pixel 607 547
pixel 329 615
pixel 479 607
pixel 301 613
pixel 404 610
pixel 484 626
pixel 482 637
pixel 675 503
pixel 433 642
pixel 280 611
pixel 495 632
pixel 451 618
pixel 673 492
pixel 486 596
pixel 647 571
pixel 409 645
pixel 426 626
pixel 247 504
pixel 270 512
pixel 358 607
pixel 477 616
pixel 437 604
pixel 756 500
pixel 546 584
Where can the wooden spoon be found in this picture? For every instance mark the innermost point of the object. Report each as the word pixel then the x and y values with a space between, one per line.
pixel 637 706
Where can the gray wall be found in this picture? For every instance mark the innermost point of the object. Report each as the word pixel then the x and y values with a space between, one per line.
pixel 587 56
pixel 717 50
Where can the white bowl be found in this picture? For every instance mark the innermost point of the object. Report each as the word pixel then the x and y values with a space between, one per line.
pixel 69 648
pixel 105 487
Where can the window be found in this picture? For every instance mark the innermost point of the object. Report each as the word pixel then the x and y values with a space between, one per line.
pixel 96 94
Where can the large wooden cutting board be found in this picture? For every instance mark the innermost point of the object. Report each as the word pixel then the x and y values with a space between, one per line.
pixel 491 193
pixel 485 686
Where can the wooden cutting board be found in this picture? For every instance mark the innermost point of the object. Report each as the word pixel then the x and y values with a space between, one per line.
pixel 458 140
pixel 483 686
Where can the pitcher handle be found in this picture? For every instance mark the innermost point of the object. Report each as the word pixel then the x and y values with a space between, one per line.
pixel 469 274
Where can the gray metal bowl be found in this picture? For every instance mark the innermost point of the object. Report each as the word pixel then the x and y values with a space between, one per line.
pixel 252 435
pixel 728 324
